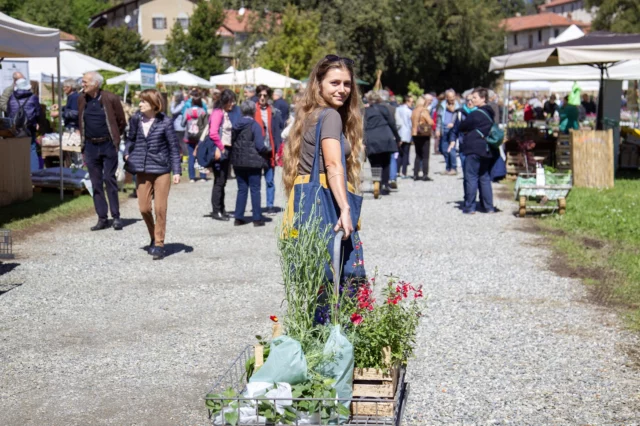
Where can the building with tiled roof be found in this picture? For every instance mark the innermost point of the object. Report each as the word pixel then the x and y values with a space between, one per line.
pixel 534 31
pixel 574 9
pixel 154 19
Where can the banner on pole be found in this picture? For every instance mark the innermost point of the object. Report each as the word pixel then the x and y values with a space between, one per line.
pixel 147 76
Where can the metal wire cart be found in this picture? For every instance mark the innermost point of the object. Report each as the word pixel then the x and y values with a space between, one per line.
pixel 364 410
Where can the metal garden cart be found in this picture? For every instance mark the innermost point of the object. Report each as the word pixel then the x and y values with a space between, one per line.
pixel 381 409
pixel 550 197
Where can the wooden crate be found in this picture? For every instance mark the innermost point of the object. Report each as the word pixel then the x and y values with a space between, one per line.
pixel 15 170
pixel 376 384
pixel 563 153
pixel 592 160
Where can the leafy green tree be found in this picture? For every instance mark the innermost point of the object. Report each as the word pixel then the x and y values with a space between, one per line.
pixel 176 50
pixel 202 41
pixel 71 16
pixel 295 45
pixel 620 16
pixel 511 7
pixel 116 45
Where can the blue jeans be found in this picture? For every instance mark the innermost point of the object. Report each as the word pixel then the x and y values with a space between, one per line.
pixel 393 168
pixel 271 185
pixel 477 176
pixel 248 179
pixel 192 161
pixel 34 161
pixel 450 158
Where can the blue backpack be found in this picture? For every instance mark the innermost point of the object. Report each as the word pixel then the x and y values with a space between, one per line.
pixel 495 137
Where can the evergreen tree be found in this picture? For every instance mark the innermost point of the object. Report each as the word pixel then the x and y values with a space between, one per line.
pixel 117 45
pixel 203 43
pixel 619 16
pixel 176 50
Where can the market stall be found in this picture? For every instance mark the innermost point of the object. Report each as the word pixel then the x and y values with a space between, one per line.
pixel 19 39
pixel 254 76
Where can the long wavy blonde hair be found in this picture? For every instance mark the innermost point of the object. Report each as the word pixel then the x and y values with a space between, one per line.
pixel 311 101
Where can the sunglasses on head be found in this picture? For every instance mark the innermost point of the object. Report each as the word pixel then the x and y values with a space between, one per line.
pixel 336 58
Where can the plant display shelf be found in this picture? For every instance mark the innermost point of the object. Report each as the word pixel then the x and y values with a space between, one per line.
pixel 374 410
pixel 554 196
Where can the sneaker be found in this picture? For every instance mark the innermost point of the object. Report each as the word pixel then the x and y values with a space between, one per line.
pixel 158 253
pixel 468 212
pixel 393 184
pixel 192 180
pixel 452 172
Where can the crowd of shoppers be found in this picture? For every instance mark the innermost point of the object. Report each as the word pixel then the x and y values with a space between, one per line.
pixel 264 131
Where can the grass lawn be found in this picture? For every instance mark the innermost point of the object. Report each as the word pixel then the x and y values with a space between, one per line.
pixel 600 239
pixel 46 208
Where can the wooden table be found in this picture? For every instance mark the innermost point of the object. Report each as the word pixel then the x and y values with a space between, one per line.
pixel 15 170
pixel 54 151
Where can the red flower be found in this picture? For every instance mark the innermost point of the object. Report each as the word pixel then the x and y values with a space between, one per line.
pixel 273 318
pixel 356 319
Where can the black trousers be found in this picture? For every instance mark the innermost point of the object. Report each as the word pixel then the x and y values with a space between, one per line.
pixel 383 161
pixel 102 163
pixel 422 144
pixel 221 174
pixel 403 158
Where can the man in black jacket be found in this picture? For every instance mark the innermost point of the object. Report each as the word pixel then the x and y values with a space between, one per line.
pixel 479 156
pixel 101 120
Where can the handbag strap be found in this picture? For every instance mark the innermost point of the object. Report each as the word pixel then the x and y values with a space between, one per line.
pixel 315 169
pixel 490 119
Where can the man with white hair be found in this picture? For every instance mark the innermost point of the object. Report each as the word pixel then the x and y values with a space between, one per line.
pixel 250 93
pixel 102 121
pixel 8 91
pixel 280 104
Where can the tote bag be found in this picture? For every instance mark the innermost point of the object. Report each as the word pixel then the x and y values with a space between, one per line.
pixel 312 200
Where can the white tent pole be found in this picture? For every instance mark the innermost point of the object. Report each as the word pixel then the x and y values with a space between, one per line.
pixel 126 90
pixel 60 129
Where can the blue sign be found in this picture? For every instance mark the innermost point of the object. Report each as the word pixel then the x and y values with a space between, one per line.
pixel 147 76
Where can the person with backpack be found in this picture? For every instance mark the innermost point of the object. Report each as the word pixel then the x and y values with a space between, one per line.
pixel 194 120
pixel 152 153
pixel 224 115
pixel 248 157
pixel 23 108
pixel 478 130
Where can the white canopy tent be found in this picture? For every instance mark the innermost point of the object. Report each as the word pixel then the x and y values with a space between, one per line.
pixel 20 39
pixel 601 50
pixel 73 64
pixel 254 76
pixel 571 33
pixel 184 78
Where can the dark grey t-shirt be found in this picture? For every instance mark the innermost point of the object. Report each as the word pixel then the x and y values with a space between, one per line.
pixel 331 129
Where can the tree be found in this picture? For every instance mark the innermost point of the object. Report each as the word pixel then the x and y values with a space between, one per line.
pixel 70 16
pixel 511 7
pixel 176 50
pixel 295 44
pixel 117 45
pixel 620 16
pixel 203 43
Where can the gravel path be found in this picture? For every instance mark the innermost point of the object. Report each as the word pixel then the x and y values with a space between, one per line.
pixel 95 332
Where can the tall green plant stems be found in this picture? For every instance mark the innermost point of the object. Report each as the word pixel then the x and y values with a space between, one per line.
pixel 303 256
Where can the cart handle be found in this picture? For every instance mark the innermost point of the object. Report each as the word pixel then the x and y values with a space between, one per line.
pixel 337 248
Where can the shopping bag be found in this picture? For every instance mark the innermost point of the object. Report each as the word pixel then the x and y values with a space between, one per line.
pixel 339 365
pixel 312 200
pixel 286 363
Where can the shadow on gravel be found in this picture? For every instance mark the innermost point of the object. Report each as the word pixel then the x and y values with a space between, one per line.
pixel 457 204
pixel 7 288
pixel 127 222
pixel 5 268
pixel 174 248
